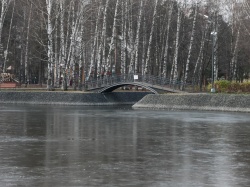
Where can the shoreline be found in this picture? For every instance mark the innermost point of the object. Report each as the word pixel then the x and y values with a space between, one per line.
pixel 146 100
pixel 201 102
pixel 71 98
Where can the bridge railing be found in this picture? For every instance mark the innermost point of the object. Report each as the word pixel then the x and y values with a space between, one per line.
pixel 151 80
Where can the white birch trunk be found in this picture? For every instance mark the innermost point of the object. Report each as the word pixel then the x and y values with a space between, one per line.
pixel 92 60
pixel 123 39
pixel 144 47
pixel 72 36
pixel 62 45
pixel 215 57
pixel 235 55
pixel 101 50
pixel 75 16
pixel 199 61
pixel 62 57
pixel 67 33
pixel 50 83
pixel 165 57
pixel 174 72
pixel 68 42
pixel 56 53
pixel 215 65
pixel 150 39
pixel 81 52
pixel 112 43
pixel 79 44
pixel 4 8
pixel 186 73
pixel 131 41
pixel 62 36
pixel 26 65
pixel 157 60
pixel 7 48
pixel 137 37
pixel 78 20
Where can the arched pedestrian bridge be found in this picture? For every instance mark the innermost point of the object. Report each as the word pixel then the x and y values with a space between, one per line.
pixel 151 83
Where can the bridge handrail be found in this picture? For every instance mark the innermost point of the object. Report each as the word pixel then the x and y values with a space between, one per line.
pixel 108 80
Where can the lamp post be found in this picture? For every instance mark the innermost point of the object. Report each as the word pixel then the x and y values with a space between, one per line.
pixel 214 34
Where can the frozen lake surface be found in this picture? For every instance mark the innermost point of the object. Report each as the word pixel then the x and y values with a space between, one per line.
pixel 64 146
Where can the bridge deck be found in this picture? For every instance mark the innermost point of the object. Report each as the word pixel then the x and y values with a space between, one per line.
pixel 152 83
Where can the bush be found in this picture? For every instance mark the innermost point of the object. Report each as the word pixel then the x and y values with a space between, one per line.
pixel 224 86
pixel 209 86
pixel 245 87
pixel 234 87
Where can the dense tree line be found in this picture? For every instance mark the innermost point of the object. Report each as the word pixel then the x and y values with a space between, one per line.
pixel 66 42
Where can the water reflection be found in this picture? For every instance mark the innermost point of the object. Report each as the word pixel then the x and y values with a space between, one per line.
pixel 86 146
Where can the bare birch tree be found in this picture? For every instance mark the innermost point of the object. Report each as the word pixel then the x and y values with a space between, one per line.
pixel 165 57
pixel 102 45
pixel 123 38
pixel 62 55
pixel 108 67
pixel 199 61
pixel 94 47
pixel 56 44
pixel 50 83
pixel 4 8
pixel 233 64
pixel 78 39
pixel 174 71
pixel 150 39
pixel 186 73
pixel 26 63
pixel 138 37
pixel 6 52
pixel 131 41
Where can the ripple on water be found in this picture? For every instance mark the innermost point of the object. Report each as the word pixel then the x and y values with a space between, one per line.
pixel 5 139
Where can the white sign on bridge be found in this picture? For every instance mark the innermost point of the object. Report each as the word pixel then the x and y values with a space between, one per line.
pixel 135 77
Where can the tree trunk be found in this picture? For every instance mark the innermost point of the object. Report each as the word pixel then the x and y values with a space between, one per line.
pixel 102 46
pixel 199 61
pixel 137 37
pixel 26 65
pixel 62 57
pixel 186 73
pixel 235 56
pixel 143 47
pixel 150 39
pixel 92 60
pixel 7 48
pixel 112 43
pixel 215 38
pixel 50 83
pixel 174 72
pixel 165 57
pixel 131 39
pixel 56 57
pixel 5 5
pixel 123 39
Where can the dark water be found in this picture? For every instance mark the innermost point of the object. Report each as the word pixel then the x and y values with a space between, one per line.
pixel 55 146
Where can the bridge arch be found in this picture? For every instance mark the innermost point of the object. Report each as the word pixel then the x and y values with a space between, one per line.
pixel 113 87
pixel 155 84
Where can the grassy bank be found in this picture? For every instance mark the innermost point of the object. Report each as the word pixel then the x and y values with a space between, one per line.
pixel 224 86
